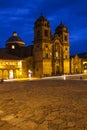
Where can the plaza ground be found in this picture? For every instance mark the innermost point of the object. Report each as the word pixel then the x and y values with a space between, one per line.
pixel 43 105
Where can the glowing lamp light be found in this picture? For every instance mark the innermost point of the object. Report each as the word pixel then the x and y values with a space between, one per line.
pixel 64 77
pixel 29 73
pixel 85 71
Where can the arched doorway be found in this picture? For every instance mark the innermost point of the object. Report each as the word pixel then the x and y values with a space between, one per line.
pixel 5 74
pixel 11 74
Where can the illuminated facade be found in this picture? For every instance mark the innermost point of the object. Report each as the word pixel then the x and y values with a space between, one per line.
pixel 15 59
pixel 51 52
pixel 79 63
pixel 49 55
pixel 10 69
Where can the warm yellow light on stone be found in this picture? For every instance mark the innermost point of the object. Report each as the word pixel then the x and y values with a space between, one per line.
pixel 15 34
pixel 20 63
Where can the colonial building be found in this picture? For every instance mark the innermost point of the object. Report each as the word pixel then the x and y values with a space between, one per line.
pixel 15 59
pixel 79 63
pixel 49 55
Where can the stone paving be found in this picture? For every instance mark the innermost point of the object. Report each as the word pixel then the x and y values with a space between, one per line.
pixel 43 105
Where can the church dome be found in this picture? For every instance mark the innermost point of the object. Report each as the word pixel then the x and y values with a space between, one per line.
pixel 15 39
pixel 61 28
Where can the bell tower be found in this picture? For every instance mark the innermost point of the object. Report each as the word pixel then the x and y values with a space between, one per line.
pixel 41 29
pixel 42 47
pixel 63 33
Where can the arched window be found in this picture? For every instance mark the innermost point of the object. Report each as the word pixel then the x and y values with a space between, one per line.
pixel 13 47
pixel 46 33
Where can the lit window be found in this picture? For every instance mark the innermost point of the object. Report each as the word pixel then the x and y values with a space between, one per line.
pixel 57 54
pixel 20 63
pixel 13 47
pixel 6 63
pixel 50 54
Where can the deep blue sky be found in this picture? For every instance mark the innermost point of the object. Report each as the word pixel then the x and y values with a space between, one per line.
pixel 20 15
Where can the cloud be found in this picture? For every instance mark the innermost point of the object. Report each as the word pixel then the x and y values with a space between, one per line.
pixel 20 16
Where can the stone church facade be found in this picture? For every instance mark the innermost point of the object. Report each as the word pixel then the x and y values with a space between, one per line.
pixel 51 53
pixel 48 56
